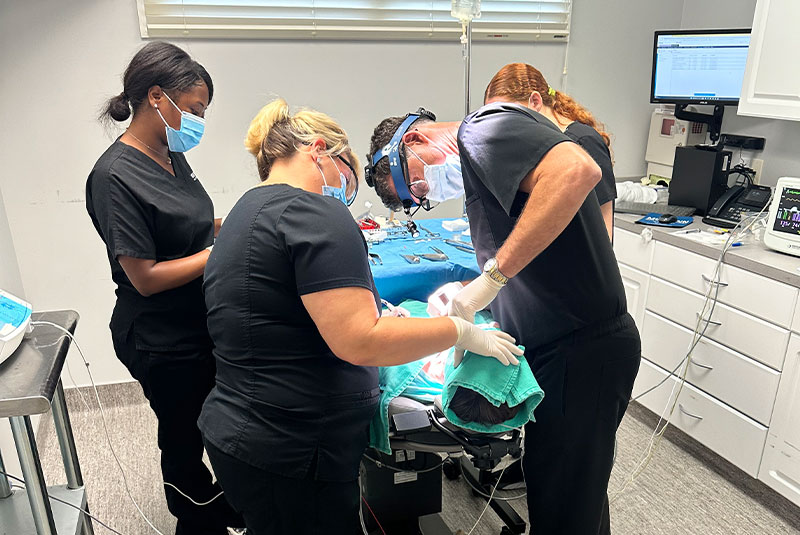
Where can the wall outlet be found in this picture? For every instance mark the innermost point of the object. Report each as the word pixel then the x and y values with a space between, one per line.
pixel 757 165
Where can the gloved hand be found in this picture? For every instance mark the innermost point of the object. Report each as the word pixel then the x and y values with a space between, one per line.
pixel 497 344
pixel 474 297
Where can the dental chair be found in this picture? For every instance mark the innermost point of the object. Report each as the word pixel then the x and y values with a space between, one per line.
pixel 402 492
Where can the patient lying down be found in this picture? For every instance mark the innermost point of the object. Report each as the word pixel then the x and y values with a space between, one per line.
pixel 480 394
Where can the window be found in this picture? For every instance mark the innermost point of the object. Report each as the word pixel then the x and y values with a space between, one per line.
pixel 512 20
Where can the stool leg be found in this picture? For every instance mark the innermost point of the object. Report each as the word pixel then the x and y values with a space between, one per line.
pixel 5 488
pixel 69 453
pixel 22 430
pixel 66 441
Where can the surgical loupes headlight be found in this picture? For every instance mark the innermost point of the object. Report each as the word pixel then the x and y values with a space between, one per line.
pixel 397 160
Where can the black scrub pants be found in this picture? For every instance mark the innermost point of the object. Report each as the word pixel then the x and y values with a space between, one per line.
pixel 276 505
pixel 587 378
pixel 176 385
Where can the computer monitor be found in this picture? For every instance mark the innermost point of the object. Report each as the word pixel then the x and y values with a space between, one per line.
pixel 699 66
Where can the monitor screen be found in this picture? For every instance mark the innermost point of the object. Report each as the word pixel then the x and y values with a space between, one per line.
pixel 787 218
pixel 701 67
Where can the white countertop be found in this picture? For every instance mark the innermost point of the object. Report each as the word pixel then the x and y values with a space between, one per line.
pixel 754 257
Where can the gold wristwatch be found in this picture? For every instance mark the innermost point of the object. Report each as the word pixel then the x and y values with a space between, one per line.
pixel 490 268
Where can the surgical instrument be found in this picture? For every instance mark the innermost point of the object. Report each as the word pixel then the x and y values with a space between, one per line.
pixel 431 234
pixel 375 259
pixel 439 256
pixel 411 258
pixel 464 246
pixel 436 249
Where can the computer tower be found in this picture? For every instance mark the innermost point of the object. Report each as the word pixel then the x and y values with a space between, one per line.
pixel 699 177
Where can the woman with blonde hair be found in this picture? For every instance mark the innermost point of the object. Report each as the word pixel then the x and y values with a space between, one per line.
pixel 296 324
pixel 523 84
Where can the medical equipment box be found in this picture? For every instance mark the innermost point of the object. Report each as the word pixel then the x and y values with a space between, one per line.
pixel 783 223
pixel 15 316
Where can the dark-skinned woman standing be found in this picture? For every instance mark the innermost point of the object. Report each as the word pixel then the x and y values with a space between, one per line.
pixel 157 221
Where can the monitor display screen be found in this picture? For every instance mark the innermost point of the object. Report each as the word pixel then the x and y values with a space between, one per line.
pixel 701 67
pixel 787 218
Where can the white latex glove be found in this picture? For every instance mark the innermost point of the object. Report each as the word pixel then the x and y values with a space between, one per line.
pixel 474 297
pixel 497 344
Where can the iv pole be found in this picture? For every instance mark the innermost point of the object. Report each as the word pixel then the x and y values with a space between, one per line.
pixel 467 66
pixel 465 12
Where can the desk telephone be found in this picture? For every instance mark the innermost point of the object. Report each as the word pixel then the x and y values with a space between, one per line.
pixel 727 210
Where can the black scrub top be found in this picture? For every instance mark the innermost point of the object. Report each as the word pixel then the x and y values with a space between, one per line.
pixel 142 211
pixel 574 282
pixel 282 398
pixel 594 144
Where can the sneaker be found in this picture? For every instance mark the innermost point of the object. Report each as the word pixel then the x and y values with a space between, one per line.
pixel 237 531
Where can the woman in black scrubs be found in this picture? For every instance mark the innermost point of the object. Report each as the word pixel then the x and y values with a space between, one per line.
pixel 295 319
pixel 523 84
pixel 157 221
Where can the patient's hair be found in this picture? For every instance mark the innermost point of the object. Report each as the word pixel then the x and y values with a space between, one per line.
pixel 473 407
pixel 516 82
pixel 382 135
pixel 276 133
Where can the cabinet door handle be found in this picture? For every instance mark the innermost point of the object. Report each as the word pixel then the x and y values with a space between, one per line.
pixel 689 414
pixel 710 281
pixel 704 366
pixel 710 322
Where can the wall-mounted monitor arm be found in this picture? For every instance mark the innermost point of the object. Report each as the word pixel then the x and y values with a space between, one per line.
pixel 714 120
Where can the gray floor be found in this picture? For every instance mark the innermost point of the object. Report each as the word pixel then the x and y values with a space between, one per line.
pixel 685 490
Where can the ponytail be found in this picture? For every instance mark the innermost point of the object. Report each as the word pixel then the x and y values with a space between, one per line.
pixel 117 108
pixel 276 133
pixel 516 82
pixel 566 106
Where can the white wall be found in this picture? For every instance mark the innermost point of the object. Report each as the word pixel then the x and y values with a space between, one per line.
pixel 780 152
pixel 61 60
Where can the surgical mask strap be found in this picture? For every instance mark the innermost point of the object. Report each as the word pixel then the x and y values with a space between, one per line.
pixel 174 105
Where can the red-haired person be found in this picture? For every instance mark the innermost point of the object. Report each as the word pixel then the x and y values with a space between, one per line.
pixel 523 84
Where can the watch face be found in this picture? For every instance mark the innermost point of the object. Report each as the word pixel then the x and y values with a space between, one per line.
pixel 489 264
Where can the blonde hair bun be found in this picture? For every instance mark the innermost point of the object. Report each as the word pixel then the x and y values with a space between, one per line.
pixel 276 111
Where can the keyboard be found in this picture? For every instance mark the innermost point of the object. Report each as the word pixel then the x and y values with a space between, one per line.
pixel 628 207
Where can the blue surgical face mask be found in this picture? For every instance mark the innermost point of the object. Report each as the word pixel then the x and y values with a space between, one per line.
pixel 190 133
pixel 330 191
pixel 444 180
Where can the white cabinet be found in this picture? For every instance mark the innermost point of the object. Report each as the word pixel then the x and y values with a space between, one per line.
pixel 633 249
pixel 635 283
pixel 737 287
pixel 729 433
pixel 771 85
pixel 780 468
pixel 735 389
pixel 759 339
pixel 713 368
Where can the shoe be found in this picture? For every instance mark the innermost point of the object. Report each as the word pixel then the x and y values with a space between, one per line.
pixel 237 531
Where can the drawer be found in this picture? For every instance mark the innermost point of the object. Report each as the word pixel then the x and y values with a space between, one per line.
pixel 635 283
pixel 715 369
pixel 762 297
pixel 747 334
pixel 727 432
pixel 632 249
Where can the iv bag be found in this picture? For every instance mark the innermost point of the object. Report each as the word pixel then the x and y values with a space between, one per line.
pixel 465 10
